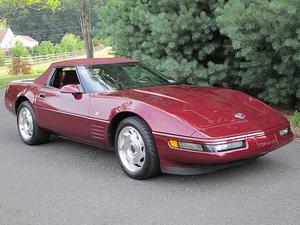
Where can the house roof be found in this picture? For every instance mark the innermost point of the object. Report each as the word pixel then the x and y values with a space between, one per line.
pixel 2 33
pixel 27 38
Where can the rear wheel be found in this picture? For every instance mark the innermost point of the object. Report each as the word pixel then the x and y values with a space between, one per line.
pixel 29 131
pixel 136 149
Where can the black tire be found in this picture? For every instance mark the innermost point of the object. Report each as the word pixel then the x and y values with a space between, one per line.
pixel 39 136
pixel 151 167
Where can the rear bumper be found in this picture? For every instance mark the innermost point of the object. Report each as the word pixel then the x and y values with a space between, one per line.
pixel 256 145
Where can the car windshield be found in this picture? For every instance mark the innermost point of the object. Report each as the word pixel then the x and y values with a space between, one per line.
pixel 99 78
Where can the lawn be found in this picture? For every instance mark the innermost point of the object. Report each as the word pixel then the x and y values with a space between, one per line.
pixel 5 77
pixel 4 81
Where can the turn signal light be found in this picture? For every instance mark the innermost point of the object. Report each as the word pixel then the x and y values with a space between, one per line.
pixel 173 144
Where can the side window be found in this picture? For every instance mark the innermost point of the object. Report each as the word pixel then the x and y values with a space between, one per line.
pixel 64 76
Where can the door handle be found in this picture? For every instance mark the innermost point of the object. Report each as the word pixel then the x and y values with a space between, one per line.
pixel 42 95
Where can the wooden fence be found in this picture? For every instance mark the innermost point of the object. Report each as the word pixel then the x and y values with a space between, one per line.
pixel 33 60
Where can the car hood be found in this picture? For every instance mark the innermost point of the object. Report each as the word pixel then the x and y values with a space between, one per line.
pixel 205 107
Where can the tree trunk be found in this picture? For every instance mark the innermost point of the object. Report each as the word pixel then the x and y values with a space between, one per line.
pixel 86 26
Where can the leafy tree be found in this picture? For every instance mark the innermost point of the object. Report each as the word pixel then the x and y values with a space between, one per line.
pixel 71 42
pixel 266 37
pixel 51 19
pixel 44 24
pixel 44 48
pixel 19 50
pixel 35 4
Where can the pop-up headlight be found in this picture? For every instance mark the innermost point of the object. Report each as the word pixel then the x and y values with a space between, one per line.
pixel 226 146
pixel 207 148
pixel 185 145
pixel 285 132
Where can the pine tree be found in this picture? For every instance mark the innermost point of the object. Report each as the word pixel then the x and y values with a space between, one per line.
pixel 266 37
pixel 181 38
pixel 250 45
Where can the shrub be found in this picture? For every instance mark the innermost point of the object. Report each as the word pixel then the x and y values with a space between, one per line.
pixel 58 48
pixel 19 50
pixel 44 48
pixel 105 42
pixel 295 119
pixel 2 56
pixel 96 42
pixel 20 66
pixel 71 42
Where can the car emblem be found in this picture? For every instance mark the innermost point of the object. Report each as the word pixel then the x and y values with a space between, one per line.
pixel 240 116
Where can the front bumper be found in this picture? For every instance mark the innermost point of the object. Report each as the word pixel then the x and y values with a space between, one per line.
pixel 256 144
pixel 195 170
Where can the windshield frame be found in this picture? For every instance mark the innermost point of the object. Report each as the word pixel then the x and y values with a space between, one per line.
pixel 88 86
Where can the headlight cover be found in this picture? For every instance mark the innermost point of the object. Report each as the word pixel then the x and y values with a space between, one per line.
pixel 191 146
pixel 285 132
pixel 226 146
pixel 207 148
pixel 185 145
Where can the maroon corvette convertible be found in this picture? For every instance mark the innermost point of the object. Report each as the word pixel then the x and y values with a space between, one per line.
pixel 154 124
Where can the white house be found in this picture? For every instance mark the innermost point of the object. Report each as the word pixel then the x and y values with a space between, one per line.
pixel 8 40
pixel 6 37
pixel 26 41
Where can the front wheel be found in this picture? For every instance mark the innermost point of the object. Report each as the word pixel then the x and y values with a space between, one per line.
pixel 29 131
pixel 136 149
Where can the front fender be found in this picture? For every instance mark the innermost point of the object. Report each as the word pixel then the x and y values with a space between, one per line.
pixel 107 107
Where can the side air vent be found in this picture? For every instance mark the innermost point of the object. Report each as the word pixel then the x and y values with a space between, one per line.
pixel 97 132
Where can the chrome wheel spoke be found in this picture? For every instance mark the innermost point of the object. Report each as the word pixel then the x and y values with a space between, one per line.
pixel 25 123
pixel 131 149
pixel 126 143
pixel 138 160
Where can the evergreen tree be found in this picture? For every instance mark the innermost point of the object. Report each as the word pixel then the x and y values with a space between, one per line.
pixel 181 38
pixel 250 45
pixel 266 37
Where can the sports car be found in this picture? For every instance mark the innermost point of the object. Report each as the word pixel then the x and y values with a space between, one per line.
pixel 152 123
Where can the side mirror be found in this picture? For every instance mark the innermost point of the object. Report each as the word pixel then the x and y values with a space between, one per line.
pixel 71 89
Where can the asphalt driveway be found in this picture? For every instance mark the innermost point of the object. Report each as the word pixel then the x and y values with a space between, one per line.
pixel 68 183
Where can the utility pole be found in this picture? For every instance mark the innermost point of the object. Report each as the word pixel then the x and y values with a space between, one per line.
pixel 86 26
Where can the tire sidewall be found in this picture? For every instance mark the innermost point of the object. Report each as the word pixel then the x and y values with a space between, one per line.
pixel 149 145
pixel 27 105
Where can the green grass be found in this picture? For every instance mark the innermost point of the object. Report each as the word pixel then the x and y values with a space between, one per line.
pixel 5 77
pixel 4 80
pixel 295 119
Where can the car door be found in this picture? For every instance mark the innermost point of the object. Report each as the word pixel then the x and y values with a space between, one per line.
pixel 63 113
